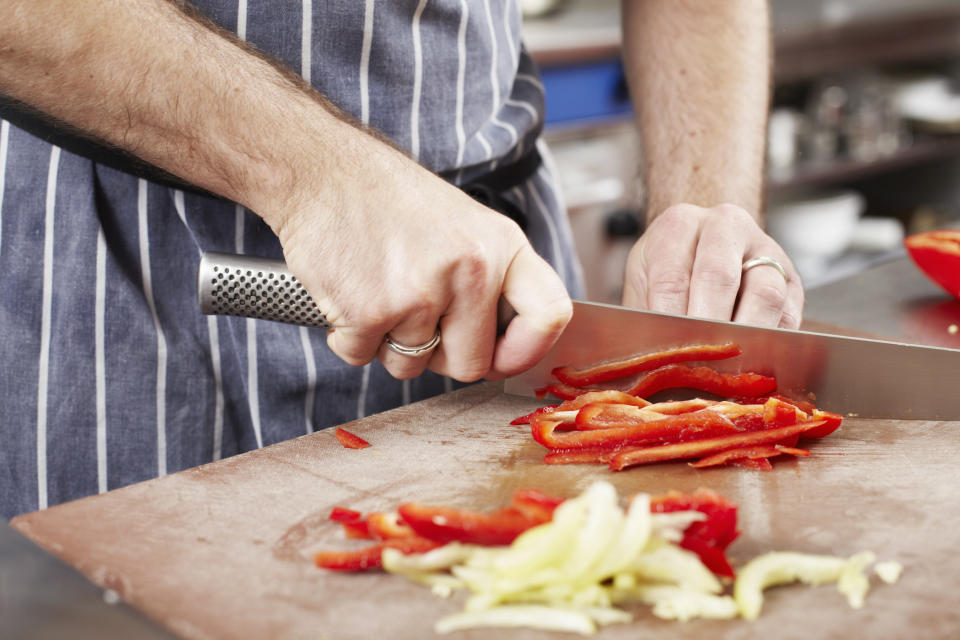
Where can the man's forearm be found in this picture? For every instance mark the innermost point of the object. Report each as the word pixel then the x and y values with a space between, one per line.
pixel 155 80
pixel 699 75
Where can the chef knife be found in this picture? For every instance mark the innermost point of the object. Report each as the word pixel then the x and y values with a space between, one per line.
pixel 853 376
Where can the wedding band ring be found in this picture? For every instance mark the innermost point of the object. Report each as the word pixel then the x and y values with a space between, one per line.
pixel 761 261
pixel 419 350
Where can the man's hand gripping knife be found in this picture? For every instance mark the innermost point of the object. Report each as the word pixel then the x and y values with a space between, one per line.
pixel 384 246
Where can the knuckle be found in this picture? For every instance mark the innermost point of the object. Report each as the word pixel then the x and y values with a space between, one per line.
pixel 470 370
pixel 721 277
pixel 670 282
pixel 770 296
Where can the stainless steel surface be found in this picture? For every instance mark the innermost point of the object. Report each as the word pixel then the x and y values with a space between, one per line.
pixel 869 378
pixel 894 300
pixel 253 287
pixel 42 597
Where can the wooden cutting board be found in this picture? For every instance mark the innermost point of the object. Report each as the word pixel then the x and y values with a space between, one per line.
pixel 222 551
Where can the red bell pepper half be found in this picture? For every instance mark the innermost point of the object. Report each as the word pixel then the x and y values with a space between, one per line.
pixel 349 440
pixel 679 376
pixel 696 448
pixel 644 362
pixel 937 254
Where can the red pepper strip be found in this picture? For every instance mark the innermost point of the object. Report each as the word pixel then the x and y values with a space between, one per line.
pixel 349 440
pixel 370 557
pixel 698 448
pixel 606 416
pixel 791 450
pixel 777 413
pixel 698 424
pixel 387 525
pixel 937 253
pixel 713 558
pixel 755 452
pixel 580 456
pixel 562 391
pixel 342 514
pixel 707 538
pixel 720 527
pixel 353 523
pixel 357 530
pixel 607 396
pixel 525 419
pixel 535 504
pixel 743 417
pixel 757 464
pixel 676 407
pixel 831 423
pixel 447 524
pixel 645 362
pixel 679 376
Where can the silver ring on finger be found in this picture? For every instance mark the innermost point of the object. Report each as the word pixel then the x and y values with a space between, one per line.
pixel 764 261
pixel 418 350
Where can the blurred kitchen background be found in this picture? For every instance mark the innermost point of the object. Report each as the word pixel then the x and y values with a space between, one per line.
pixel 864 131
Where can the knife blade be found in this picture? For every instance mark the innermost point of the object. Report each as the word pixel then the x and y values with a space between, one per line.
pixel 853 376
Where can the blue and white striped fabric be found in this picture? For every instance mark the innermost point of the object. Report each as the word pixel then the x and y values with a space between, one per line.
pixel 110 375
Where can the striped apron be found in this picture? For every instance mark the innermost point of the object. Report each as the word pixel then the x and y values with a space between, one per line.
pixel 110 375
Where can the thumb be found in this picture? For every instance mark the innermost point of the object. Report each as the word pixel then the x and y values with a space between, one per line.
pixel 543 309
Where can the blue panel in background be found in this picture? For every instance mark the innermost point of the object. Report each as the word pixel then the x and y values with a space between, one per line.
pixel 586 93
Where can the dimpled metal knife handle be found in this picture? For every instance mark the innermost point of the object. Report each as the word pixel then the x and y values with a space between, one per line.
pixel 251 287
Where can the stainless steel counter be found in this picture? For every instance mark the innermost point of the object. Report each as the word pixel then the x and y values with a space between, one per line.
pixel 41 597
pixel 893 300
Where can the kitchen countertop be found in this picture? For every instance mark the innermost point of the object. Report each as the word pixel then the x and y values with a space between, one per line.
pixel 42 597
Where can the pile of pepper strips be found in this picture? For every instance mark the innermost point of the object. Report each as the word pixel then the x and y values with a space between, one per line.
pixel 417 528
pixel 620 428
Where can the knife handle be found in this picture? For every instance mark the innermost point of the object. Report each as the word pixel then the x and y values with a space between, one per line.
pixel 252 287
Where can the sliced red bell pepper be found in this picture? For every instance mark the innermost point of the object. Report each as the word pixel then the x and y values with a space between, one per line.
pixel 713 558
pixel 342 514
pixel 607 396
pixel 525 419
pixel 606 416
pixel 720 527
pixel 349 440
pixel 707 538
pixel 831 421
pixel 535 504
pixel 584 397
pixel 680 427
pixel 447 524
pixel 370 557
pixel 793 451
pixel 697 448
pixel 937 254
pixel 754 453
pixel 580 456
pixel 610 416
pixel 353 522
pixel 680 376
pixel 644 362
pixel 777 413
pixel 387 525
pixel 757 464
